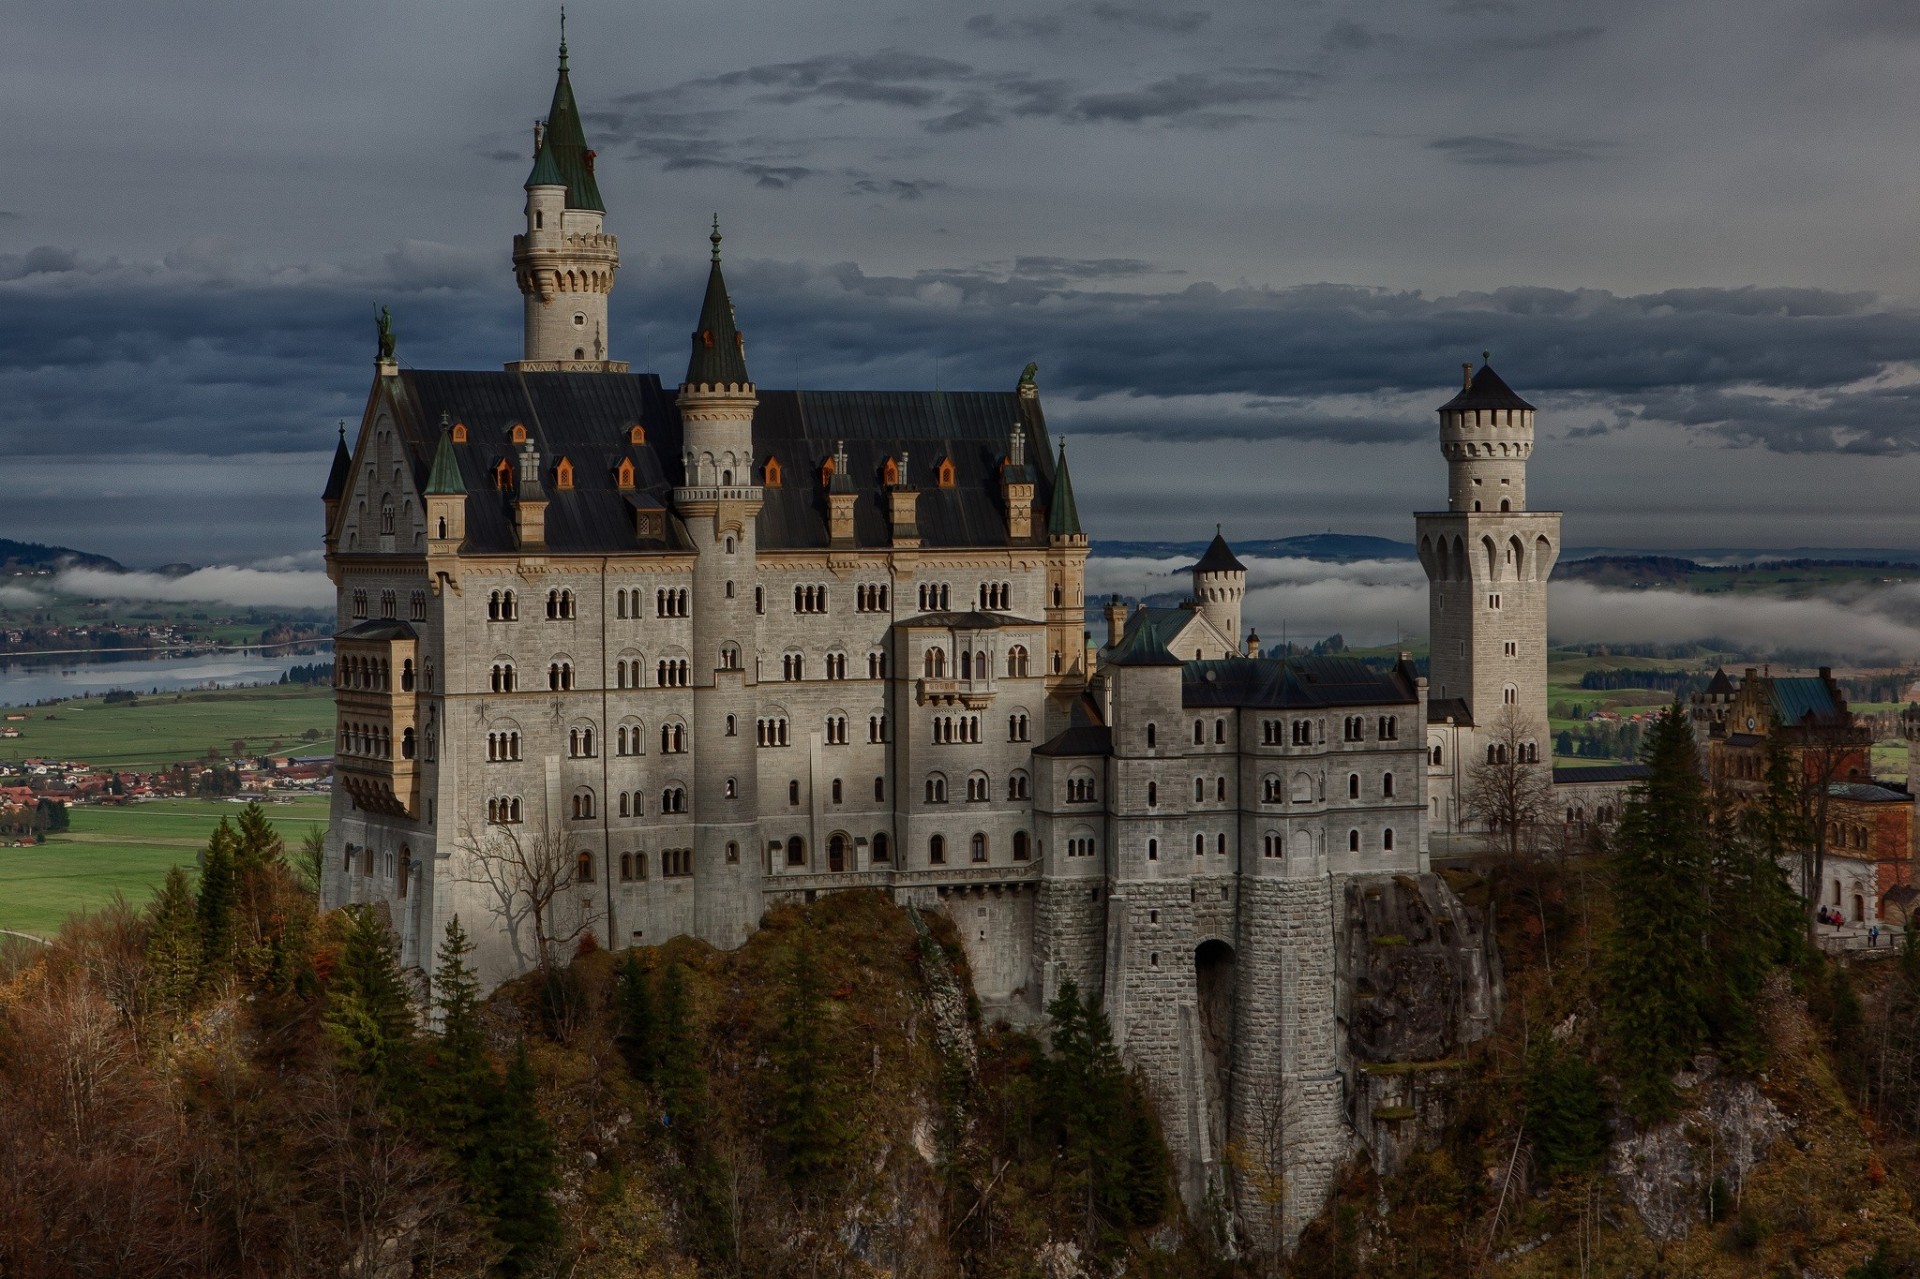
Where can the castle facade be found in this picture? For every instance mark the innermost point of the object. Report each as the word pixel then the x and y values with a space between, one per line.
pixel 638 660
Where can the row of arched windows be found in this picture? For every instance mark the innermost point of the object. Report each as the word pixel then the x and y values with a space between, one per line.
pixel 979 787
pixel 996 597
pixel 560 605
pixel 503 745
pixel 809 599
pixel 873 598
pixel 502 607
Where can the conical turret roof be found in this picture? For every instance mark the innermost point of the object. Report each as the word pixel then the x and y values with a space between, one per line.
pixel 719 350
pixel 564 158
pixel 1063 517
pixel 445 478
pixel 342 468
pixel 1485 390
pixel 1219 557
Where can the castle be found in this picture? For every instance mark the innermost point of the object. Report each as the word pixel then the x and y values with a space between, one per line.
pixel 641 660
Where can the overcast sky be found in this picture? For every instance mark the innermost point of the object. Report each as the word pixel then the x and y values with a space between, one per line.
pixel 1248 244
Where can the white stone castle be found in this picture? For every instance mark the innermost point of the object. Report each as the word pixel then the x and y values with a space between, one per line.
pixel 641 661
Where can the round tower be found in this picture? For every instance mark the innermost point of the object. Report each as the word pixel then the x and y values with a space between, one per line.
pixel 564 261
pixel 1219 586
pixel 1486 434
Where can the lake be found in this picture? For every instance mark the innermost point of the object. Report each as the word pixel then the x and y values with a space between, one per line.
pixel 27 678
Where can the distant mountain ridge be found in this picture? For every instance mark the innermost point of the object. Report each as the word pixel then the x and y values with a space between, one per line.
pixel 1306 546
pixel 18 558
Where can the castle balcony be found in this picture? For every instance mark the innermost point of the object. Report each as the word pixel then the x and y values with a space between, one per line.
pixel 718 493
pixel 973 694
pixel 377 682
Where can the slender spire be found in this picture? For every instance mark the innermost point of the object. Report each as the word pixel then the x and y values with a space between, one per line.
pixel 445 476
pixel 342 468
pixel 1063 517
pixel 564 159
pixel 719 349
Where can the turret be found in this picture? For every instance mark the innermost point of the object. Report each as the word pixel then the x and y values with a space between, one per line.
pixel 564 262
pixel 446 496
pixel 1486 434
pixel 717 398
pixel 1219 585
pixel 337 480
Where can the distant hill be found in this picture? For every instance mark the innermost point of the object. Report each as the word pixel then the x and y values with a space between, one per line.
pixel 1777 575
pixel 31 557
pixel 1306 546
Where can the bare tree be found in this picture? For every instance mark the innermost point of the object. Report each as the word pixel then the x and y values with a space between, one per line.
pixel 1510 789
pixel 1258 1157
pixel 1823 751
pixel 526 871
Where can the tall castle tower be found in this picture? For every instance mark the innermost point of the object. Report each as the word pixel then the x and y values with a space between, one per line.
pixel 1487 559
pixel 719 501
pixel 564 262
pixel 1219 587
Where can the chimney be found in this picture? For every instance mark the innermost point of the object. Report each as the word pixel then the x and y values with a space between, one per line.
pixel 1466 375
pixel 1016 487
pixel 903 507
pixel 840 499
pixel 530 502
pixel 1116 620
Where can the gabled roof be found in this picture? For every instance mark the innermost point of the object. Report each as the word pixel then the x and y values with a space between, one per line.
pixel 1084 734
pixel 445 478
pixel 379 628
pixel 1219 558
pixel 719 350
pixel 1441 709
pixel 1485 390
pixel 1864 793
pixel 1720 685
pixel 563 158
pixel 1795 697
pixel 1303 682
pixel 587 418
pixel 1063 516
pixel 342 469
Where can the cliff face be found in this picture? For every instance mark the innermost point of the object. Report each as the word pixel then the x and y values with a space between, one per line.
pixel 1420 980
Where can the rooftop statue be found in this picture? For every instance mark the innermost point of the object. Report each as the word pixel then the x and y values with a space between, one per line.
pixel 384 323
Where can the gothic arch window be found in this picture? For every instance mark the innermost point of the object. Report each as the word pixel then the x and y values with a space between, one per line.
pixel 583 804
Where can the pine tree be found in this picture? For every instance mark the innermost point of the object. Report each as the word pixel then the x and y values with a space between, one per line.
pixel 173 943
pixel 369 1017
pixel 1086 1091
pixel 460 1090
pixel 217 900
pixel 257 844
pixel 1145 1158
pixel 677 1074
pixel 807 1127
pixel 1657 965
pixel 1566 1111
pixel 516 1168
pixel 634 1030
pixel 1754 914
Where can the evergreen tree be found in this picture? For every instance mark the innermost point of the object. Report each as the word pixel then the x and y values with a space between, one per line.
pixel 516 1169
pixel 218 897
pixel 1657 966
pixel 257 844
pixel 1147 1170
pixel 634 1029
pixel 1566 1112
pixel 677 1074
pixel 807 1127
pixel 369 1017
pixel 1086 1092
pixel 1754 914
pixel 173 943
pixel 459 1086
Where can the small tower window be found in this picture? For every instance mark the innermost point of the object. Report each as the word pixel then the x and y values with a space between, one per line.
pixel 636 434
pixel 503 474
pixel 579 319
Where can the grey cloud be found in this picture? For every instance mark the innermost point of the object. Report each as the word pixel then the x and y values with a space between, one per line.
pixel 899 189
pixel 1509 150
pixel 44 260
pixel 991 27
pixel 1149 17
pixel 1348 36
pixel 1545 40
pixel 1196 97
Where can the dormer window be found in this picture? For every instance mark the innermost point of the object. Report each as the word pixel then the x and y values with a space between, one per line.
pixel 623 473
pixel 517 433
pixel 459 432
pixel 706 338
pixel 503 474
pixel 636 434
pixel 826 473
pixel 890 472
pixel 773 473
pixel 563 474
pixel 946 473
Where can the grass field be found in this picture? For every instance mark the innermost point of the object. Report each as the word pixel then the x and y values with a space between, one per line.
pixel 170 728
pixel 128 850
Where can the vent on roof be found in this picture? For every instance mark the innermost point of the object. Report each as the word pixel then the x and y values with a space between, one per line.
pixel 459 432
pixel 946 472
pixel 623 473
pixel 773 473
pixel 563 474
pixel 517 433
pixel 636 434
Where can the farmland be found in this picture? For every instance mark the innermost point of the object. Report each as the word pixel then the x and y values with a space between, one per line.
pixel 155 731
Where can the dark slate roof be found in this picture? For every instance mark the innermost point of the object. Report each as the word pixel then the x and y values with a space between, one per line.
pixel 1219 558
pixel 1141 646
pixel 1440 708
pixel 342 468
pixel 1084 734
pixel 719 350
pixel 379 628
pixel 1797 696
pixel 972 620
pixel 1720 684
pixel 1063 516
pixel 1862 793
pixel 1304 682
pixel 1485 391
pixel 585 417
pixel 563 158
pixel 1744 739
pixel 1614 773
pixel 445 477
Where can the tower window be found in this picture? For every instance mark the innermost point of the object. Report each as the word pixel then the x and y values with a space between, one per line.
pixel 579 320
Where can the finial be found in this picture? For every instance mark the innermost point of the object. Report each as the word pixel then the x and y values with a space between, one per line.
pixel 446 423
pixel 1487 356
pixel 563 37
pixel 1216 530
pixel 343 430
pixel 715 237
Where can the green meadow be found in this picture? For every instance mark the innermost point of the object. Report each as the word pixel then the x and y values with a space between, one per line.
pixel 168 728
pixel 126 850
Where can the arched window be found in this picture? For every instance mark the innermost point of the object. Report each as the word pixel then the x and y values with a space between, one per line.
pixel 1353 841
pixel 1153 794
pixel 937 850
pixel 882 849
pixel 793 792
pixel 978 847
pixel 1199 845
pixel 796 851
pixel 936 788
pixel 582 805
pixel 1219 730
pixel 1151 734
pixel 1017 662
pixel 1386 786
pixel 1353 786
pixel 1022 850
pixel 1199 733
pixel 1153 850
pixel 1386 839
pixel 583 868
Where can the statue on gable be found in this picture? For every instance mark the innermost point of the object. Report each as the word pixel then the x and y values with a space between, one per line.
pixel 384 324
pixel 1027 374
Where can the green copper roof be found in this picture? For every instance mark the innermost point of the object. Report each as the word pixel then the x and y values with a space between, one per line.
pixel 564 159
pixel 1063 517
pixel 1142 646
pixel 719 350
pixel 342 468
pixel 445 478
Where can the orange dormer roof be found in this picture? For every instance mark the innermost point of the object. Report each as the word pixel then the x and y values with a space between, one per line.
pixel 563 474
pixel 773 473
pixel 623 473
